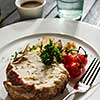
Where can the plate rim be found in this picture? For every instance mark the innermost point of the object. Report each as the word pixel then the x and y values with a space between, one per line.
pixel 61 34
pixel 31 20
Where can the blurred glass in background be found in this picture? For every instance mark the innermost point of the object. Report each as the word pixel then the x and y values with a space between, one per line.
pixel 70 9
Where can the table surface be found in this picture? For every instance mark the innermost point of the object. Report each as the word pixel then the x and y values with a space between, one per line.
pixel 9 12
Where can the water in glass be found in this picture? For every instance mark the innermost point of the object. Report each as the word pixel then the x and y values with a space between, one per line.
pixel 70 9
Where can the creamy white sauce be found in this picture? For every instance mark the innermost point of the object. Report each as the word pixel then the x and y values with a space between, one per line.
pixel 34 71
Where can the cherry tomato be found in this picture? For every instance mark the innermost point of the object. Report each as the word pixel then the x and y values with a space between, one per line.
pixel 74 64
pixel 83 59
pixel 74 70
pixel 68 59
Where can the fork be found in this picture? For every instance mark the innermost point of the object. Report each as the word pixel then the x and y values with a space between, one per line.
pixel 86 81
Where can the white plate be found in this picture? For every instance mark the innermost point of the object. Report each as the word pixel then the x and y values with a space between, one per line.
pixel 9 49
pixel 51 25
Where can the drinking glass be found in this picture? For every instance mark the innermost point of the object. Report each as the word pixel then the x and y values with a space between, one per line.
pixel 70 9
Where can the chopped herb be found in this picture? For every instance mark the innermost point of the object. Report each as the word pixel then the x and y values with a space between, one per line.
pixel 50 53
pixel 12 55
pixel 20 52
pixel 22 67
pixel 47 59
pixel 16 54
pixel 28 72
pixel 34 47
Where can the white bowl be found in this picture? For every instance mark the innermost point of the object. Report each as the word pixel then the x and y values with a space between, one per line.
pixel 32 12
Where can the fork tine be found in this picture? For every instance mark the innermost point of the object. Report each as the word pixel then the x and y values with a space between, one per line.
pixel 92 73
pixel 95 74
pixel 81 79
pixel 90 70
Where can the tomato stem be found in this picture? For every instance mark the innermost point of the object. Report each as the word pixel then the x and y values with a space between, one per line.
pixel 85 55
pixel 77 52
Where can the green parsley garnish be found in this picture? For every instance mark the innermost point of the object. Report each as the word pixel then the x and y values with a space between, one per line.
pixel 50 54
